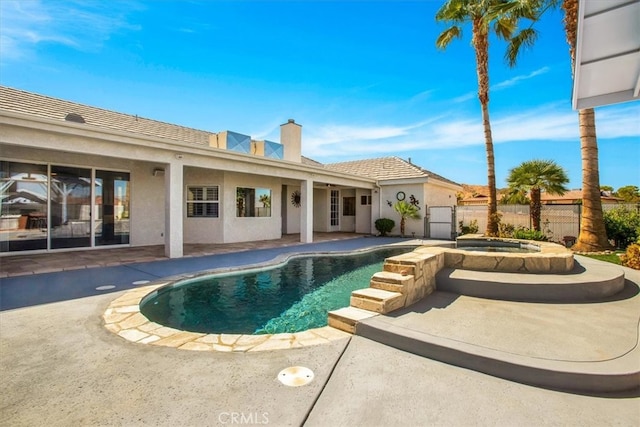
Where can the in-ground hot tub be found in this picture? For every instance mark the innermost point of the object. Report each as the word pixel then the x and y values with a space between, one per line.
pixel 507 255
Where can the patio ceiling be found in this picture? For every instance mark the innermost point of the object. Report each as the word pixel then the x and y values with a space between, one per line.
pixel 608 53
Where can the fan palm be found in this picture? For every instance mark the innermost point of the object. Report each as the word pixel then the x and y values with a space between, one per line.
pixel 534 177
pixel 483 15
pixel 406 211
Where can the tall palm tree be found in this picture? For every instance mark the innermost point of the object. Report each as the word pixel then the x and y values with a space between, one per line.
pixel 482 15
pixel 593 235
pixel 534 177
pixel 406 211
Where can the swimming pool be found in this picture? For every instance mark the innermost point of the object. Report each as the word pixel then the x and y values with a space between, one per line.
pixel 291 297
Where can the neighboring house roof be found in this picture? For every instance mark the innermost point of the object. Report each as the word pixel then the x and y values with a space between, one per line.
pixel 573 196
pixel 23 102
pixel 384 168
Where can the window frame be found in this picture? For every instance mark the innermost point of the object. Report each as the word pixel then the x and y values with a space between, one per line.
pixel 204 201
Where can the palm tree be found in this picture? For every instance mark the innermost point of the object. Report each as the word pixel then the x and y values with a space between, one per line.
pixel 406 211
pixel 593 235
pixel 536 176
pixel 482 14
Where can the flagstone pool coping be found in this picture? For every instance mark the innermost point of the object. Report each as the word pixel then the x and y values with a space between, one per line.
pixel 123 317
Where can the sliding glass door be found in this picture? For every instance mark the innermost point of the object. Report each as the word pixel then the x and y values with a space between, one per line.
pixel 112 208
pixel 23 206
pixel 53 207
pixel 70 207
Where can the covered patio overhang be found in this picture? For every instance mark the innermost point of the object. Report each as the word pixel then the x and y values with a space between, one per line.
pixel 607 66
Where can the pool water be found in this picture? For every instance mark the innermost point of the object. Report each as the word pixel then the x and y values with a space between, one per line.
pixel 290 298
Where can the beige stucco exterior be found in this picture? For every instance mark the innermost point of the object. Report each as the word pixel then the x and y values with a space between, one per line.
pixel 161 170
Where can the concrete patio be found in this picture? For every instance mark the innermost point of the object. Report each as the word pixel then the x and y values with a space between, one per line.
pixel 62 367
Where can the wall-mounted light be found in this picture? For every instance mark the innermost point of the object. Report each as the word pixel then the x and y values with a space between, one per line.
pixel 178 156
pixel 158 171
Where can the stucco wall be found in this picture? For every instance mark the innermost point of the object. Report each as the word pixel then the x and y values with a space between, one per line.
pixel 320 210
pixel 293 212
pixel 389 194
pixel 237 229
pixel 436 195
pixel 204 230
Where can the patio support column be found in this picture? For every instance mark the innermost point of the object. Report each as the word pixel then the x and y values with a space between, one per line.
pixel 173 184
pixel 306 211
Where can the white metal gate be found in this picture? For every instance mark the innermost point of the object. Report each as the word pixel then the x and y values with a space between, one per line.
pixel 440 222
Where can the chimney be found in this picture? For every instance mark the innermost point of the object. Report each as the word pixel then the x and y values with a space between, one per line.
pixel 291 139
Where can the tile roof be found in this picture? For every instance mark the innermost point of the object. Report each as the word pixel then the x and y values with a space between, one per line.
pixel 386 168
pixel 19 101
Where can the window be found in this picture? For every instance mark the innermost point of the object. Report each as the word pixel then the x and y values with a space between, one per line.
pixel 253 202
pixel 365 200
pixel 348 206
pixel 203 202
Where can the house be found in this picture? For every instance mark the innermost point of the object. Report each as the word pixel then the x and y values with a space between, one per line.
pixel 475 195
pixel 574 197
pixel 74 176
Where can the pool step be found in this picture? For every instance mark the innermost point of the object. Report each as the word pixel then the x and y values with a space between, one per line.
pixel 392 282
pixel 346 318
pixel 589 280
pixel 377 300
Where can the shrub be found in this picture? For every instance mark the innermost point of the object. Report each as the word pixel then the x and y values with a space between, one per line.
pixel 472 228
pixel 511 231
pixel 622 226
pixel 506 229
pixel 527 234
pixel 384 225
pixel 631 258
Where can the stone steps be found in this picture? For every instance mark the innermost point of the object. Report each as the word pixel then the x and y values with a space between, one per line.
pixel 377 300
pixel 347 318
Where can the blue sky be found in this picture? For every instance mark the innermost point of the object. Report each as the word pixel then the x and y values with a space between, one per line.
pixel 363 78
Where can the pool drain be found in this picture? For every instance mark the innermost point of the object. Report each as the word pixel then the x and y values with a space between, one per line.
pixel 296 376
pixel 140 282
pixel 105 287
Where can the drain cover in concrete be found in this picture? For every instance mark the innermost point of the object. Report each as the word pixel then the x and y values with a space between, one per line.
pixel 296 376
pixel 105 287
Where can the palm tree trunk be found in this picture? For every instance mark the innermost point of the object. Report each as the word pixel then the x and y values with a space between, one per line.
pixel 593 235
pixel 535 207
pixel 480 43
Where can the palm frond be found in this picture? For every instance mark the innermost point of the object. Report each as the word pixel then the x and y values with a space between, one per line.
pixel 447 35
pixel 505 27
pixel 525 39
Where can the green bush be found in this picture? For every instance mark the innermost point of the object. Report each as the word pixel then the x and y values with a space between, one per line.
pixel 622 226
pixel 472 228
pixel 384 225
pixel 511 231
pixel 527 234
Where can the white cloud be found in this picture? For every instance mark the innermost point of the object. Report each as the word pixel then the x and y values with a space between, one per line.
pixel 511 82
pixel 502 85
pixel 552 122
pixel 81 25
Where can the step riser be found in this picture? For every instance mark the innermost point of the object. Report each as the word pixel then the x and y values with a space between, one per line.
pixel 391 287
pixel 536 376
pixel 376 305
